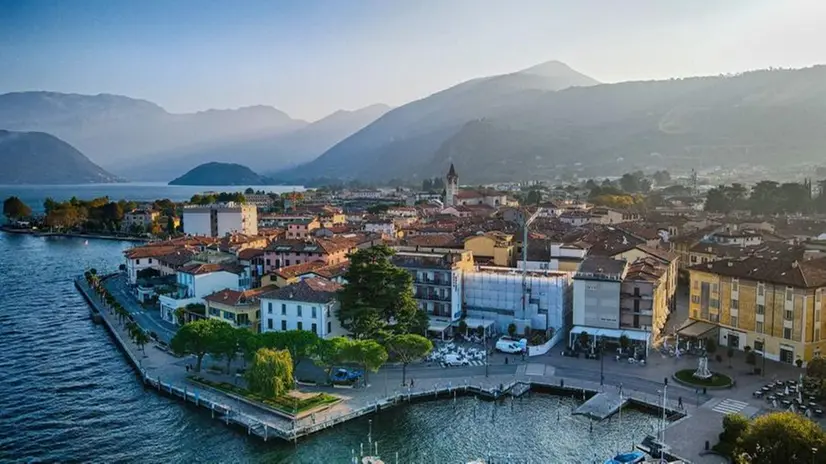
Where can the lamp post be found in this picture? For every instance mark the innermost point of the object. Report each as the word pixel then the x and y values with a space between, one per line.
pixel 763 355
pixel 601 360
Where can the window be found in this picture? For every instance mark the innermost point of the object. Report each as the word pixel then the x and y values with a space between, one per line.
pixel 315 328
pixel 734 321
pixel 693 258
pixel 695 284
pixel 761 309
pixel 817 296
pixel 269 307
pixel 297 262
pixel 283 309
pixel 283 325
pixel 817 334
pixel 759 329
pixel 714 303
pixel 788 314
pixel 735 285
pixel 714 318
pixel 735 304
pixel 329 327
pixel 758 345
pixel 714 288
pixel 150 260
pixel 298 311
pixel 269 324
pixel 300 325
pixel 787 333
pixel 761 288
pixel 229 316
pixel 328 311
pixel 817 315
pixel 214 312
pixel 314 315
pixel 789 293
pixel 287 262
pixel 695 299
pixel 137 261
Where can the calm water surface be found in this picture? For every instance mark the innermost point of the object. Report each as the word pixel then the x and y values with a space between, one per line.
pixel 34 195
pixel 67 394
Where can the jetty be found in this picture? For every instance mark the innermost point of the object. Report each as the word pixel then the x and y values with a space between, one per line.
pixel 602 405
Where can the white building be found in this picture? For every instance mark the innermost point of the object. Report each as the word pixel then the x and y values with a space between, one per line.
pixel 380 226
pixel 548 256
pixel 309 304
pixel 219 220
pixel 196 281
pixel 495 294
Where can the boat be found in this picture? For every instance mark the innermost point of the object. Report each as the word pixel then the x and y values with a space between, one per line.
pixel 632 457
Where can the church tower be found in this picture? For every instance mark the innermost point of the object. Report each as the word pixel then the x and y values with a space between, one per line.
pixel 451 187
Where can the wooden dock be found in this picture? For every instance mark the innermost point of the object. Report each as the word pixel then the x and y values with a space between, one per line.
pixel 602 405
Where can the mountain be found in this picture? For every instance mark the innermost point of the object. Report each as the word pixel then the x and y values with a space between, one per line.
pixel 40 158
pixel 773 118
pixel 396 143
pixel 113 129
pixel 263 152
pixel 220 174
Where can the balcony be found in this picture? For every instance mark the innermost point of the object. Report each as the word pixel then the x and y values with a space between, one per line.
pixel 429 281
pixel 431 296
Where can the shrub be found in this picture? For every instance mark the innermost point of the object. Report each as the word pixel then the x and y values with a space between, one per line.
pixel 751 358
pixel 711 345
pixel 462 327
pixel 718 358
pixel 512 329
pixel 799 362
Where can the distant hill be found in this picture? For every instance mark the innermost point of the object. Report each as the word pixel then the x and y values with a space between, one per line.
pixel 220 174
pixel 40 158
pixel 114 130
pixel 396 144
pixel 263 152
pixel 492 132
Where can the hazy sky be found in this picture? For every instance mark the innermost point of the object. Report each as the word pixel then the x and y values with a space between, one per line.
pixel 310 58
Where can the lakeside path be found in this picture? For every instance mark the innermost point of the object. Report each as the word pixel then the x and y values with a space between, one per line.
pixel 38 233
pixel 685 437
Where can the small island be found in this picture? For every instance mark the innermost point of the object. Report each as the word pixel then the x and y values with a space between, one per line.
pixel 220 174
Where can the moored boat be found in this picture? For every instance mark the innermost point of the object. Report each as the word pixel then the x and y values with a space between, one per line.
pixel 632 457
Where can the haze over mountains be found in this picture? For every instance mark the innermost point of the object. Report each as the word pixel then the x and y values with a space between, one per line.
pixel 531 124
pixel 141 140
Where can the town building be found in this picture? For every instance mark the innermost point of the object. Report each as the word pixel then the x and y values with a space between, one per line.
pixel 772 305
pixel 253 259
pixel 451 187
pixel 302 229
pixel 262 201
pixel 469 197
pixel 282 220
pixel 437 282
pixel 218 220
pixel 545 255
pixel 380 226
pixel 309 304
pixel 240 309
pixel 282 253
pixel 496 248
pixel 196 281
pixel 139 218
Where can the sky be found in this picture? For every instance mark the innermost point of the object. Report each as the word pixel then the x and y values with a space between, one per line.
pixel 310 58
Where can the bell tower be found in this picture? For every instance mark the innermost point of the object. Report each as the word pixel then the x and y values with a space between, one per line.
pixel 451 187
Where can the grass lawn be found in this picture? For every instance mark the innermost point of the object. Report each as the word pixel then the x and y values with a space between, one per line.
pixel 288 404
pixel 716 380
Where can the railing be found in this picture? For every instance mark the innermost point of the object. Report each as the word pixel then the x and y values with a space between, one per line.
pixel 429 296
pixel 429 281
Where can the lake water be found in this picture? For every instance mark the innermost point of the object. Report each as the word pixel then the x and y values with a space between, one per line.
pixel 67 394
pixel 34 195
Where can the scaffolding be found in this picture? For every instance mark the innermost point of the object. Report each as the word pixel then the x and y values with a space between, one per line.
pixel 496 293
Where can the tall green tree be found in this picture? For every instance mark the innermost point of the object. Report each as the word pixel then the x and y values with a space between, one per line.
pixel 408 348
pixel 14 208
pixel 270 373
pixel 197 338
pixel 376 294
pixel 534 197
pixel 782 437
pixel 300 343
pixel 226 344
pixel 368 354
pixel 141 339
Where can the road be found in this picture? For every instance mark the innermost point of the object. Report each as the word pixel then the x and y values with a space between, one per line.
pixel 149 319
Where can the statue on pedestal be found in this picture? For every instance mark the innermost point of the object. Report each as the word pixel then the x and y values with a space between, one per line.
pixel 702 371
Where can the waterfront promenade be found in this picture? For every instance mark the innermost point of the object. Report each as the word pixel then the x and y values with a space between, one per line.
pixel 685 437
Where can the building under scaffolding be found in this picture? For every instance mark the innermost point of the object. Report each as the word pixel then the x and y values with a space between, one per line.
pixel 495 294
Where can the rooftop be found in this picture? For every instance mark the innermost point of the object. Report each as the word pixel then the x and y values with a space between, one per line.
pixel 794 273
pixel 311 290
pixel 601 268
pixel 236 298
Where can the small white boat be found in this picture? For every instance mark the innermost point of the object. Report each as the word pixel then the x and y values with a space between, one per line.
pixel 86 242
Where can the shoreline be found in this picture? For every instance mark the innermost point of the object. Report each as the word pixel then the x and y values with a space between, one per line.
pixel 37 233
pixel 255 421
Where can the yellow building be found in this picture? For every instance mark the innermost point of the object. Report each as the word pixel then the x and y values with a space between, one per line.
pixel 495 247
pixel 239 309
pixel 773 305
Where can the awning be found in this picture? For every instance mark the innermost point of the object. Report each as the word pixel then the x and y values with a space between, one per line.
pixel 437 326
pixel 640 335
pixel 695 329
pixel 474 323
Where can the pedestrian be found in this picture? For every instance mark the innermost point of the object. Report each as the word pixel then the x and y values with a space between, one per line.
pixel 411 382
pixel 506 359
pixel 680 402
pixel 187 367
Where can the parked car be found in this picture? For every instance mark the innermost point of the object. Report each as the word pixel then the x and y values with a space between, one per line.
pixel 455 360
pixel 508 345
pixel 342 375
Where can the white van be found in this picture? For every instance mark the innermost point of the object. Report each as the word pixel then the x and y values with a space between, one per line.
pixel 508 345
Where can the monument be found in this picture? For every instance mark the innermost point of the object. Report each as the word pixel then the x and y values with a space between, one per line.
pixel 702 371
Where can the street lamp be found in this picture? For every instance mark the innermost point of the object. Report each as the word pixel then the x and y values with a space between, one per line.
pixel 763 355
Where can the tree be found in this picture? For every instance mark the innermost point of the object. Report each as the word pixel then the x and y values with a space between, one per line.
pixel 408 348
pixel 249 191
pixel 624 341
pixel 782 437
pixel 816 368
pixel 734 426
pixel 462 327
pixel 225 344
pixel 376 294
pixel 270 373
pixel 141 339
pixel 662 177
pixel 512 329
pixel 729 355
pixel 366 353
pixel 300 343
pixel 14 208
pixel 711 346
pixel 198 338
pixel 480 331
pixel 534 197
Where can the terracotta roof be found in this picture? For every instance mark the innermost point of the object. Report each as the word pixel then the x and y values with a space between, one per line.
pixel 664 255
pixel 289 272
pixel 206 268
pixel 437 240
pixel 178 258
pixel 333 271
pixel 794 273
pixel 250 253
pixel 311 290
pixel 149 252
pixel 645 269
pixel 235 298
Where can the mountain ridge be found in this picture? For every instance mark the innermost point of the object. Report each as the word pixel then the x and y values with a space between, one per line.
pixel 214 173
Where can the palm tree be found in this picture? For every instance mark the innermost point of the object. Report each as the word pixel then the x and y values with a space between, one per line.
pixel 141 339
pixel 133 329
